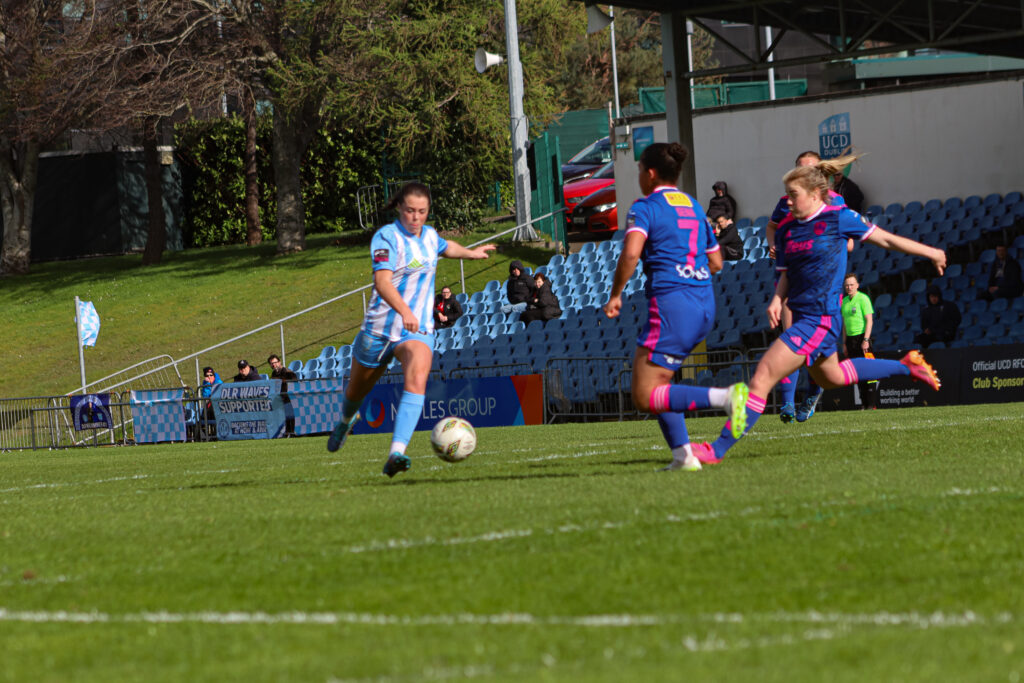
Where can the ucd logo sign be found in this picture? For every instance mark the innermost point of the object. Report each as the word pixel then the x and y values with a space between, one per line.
pixel 834 137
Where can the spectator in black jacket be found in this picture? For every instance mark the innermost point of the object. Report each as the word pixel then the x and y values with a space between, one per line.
pixel 850 191
pixel 728 237
pixel 939 319
pixel 518 289
pixel 1004 279
pixel 722 202
pixel 543 304
pixel 447 309
pixel 246 373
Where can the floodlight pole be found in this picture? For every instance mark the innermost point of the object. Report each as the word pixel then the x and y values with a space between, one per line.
pixel 518 124
pixel 615 66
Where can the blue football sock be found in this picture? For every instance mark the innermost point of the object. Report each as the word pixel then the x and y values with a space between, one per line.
pixel 348 408
pixel 677 398
pixel 687 397
pixel 867 369
pixel 725 441
pixel 813 389
pixel 673 427
pixel 409 409
pixel 787 387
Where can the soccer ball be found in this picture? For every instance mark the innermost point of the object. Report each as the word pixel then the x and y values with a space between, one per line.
pixel 453 439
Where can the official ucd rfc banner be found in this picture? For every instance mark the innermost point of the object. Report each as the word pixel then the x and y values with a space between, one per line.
pixel 248 410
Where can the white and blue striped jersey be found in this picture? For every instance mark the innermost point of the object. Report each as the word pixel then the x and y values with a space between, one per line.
pixel 413 260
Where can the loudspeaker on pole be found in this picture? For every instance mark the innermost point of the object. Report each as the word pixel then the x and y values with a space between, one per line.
pixel 485 60
pixel 596 19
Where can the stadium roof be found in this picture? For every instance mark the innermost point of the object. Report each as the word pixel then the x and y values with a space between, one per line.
pixel 861 27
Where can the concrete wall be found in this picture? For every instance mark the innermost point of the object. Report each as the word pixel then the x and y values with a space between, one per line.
pixel 919 144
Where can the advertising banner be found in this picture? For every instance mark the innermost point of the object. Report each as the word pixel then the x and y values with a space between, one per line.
pixel 158 415
pixel 992 374
pixel 316 404
pixel 248 410
pixel 91 411
pixel 485 402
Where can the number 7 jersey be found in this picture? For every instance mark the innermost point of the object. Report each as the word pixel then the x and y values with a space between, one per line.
pixel 679 239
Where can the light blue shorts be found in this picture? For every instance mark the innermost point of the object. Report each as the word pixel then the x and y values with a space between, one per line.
pixel 373 351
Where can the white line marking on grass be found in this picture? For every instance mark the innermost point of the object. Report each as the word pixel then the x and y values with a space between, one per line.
pixel 110 480
pixel 915 620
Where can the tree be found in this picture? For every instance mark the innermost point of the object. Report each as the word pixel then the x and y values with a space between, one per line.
pixel 587 77
pixel 93 65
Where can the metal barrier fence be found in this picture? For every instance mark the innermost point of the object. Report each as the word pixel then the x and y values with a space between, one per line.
pixel 158 372
pixel 575 389
pixel 45 422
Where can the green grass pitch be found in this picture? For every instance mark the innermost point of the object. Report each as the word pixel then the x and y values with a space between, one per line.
pixel 858 546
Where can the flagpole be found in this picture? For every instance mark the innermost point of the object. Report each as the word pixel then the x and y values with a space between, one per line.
pixel 81 353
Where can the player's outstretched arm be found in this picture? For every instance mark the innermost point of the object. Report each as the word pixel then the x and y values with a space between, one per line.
pixel 456 250
pixel 887 240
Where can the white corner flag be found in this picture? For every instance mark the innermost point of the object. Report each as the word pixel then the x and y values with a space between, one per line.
pixel 88 323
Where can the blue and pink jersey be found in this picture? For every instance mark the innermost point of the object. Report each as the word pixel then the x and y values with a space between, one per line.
pixel 782 208
pixel 679 239
pixel 812 252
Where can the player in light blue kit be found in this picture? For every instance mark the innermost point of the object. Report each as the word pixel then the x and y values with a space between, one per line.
pixel 810 252
pixel 668 229
pixel 399 321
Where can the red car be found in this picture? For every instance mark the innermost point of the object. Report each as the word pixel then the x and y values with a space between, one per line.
pixel 575 191
pixel 597 212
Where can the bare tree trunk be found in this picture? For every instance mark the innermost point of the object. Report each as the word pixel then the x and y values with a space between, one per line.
pixel 19 173
pixel 253 232
pixel 288 149
pixel 156 240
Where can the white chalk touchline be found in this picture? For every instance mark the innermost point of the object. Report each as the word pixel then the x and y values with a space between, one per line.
pixel 917 620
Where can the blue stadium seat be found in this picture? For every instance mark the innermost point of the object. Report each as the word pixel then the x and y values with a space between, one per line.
pixel 952 203
pixel 932 205
pixel 993 199
pixel 1012 197
pixel 742 223
pixel 999 306
pixel 295 365
pixel 328 352
pixel 913 207
pixel 972 201
pixel 918 287
pixel 462 298
pixel 874 210
pixel 893 209
pixel 987 257
pixel 761 221
pixel 883 301
pixel 312 366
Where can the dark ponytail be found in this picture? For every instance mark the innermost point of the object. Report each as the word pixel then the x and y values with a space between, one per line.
pixel 666 159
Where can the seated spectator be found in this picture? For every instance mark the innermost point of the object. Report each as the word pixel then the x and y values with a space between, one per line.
pixel 1004 280
pixel 543 304
pixel 849 190
pixel 210 380
pixel 279 371
pixel 447 309
pixel 728 237
pixel 518 289
pixel 939 319
pixel 722 202
pixel 246 373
